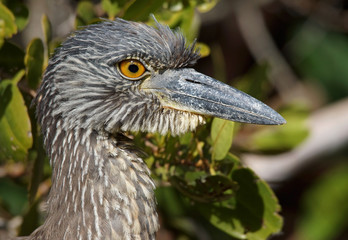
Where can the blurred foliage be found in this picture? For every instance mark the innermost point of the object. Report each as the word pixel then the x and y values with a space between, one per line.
pixel 325 206
pixel 321 56
pixel 204 185
pixel 282 138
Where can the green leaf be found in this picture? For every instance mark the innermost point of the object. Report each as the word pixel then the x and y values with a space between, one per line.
pixel 229 163
pixel 15 127
pixel 186 138
pixel 7 22
pixel 189 23
pixel 141 10
pixel 47 29
pixel 111 7
pixel 205 188
pixel 206 6
pixel 85 13
pixel 171 198
pixel 222 136
pixel 223 218
pixel 34 60
pixel 321 56
pixel 20 11
pixel 325 207
pixel 149 161
pixel 183 18
pixel 286 137
pixel 2 33
pixel 251 214
pixel 257 207
pixel 204 49
pixel 13 196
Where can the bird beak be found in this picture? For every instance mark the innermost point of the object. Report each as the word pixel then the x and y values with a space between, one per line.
pixel 188 90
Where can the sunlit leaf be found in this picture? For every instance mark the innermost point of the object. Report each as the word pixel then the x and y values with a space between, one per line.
pixel 8 24
pixel 34 60
pixel 204 49
pixel 191 177
pixel 222 136
pixel 169 18
pixel 206 6
pixel 47 29
pixel 2 32
pixel 15 127
pixel 149 161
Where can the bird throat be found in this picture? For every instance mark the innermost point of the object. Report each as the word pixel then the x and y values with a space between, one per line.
pixel 100 190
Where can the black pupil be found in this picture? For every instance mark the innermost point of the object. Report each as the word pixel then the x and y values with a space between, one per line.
pixel 133 68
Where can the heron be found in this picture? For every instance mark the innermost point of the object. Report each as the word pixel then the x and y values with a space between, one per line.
pixel 107 79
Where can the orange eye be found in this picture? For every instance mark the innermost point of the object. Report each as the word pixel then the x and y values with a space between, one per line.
pixel 131 69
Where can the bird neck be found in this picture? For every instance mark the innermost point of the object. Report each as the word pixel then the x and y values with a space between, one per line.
pixel 99 189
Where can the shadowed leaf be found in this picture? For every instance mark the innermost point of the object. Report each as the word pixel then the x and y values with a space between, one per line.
pixel 141 10
pixel 13 196
pixel 205 189
pixel 34 60
pixel 257 206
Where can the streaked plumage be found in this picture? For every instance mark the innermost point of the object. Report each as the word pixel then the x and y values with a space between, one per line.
pixel 101 188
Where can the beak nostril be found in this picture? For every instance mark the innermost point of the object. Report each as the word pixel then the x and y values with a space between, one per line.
pixel 193 81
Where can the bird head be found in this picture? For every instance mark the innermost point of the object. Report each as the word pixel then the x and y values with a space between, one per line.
pixel 127 76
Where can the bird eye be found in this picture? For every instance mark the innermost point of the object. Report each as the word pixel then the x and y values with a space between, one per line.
pixel 131 69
